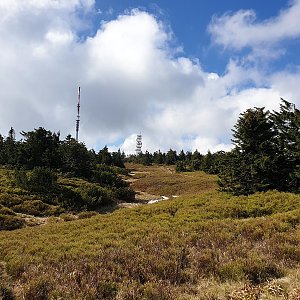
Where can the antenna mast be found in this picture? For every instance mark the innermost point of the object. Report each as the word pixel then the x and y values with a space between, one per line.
pixel 78 114
pixel 139 144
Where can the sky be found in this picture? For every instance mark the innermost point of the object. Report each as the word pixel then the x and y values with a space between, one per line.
pixel 178 72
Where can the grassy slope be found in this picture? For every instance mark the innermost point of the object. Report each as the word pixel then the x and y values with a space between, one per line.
pixel 163 180
pixel 202 245
pixel 19 207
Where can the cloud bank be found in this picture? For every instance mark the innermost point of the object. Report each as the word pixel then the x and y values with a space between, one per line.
pixel 241 29
pixel 265 38
pixel 132 78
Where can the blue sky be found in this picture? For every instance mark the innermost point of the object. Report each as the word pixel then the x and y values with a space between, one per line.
pixel 189 21
pixel 179 72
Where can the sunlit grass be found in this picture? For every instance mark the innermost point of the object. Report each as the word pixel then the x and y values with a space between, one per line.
pixel 163 180
pixel 205 245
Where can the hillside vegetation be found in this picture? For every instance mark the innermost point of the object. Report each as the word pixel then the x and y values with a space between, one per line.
pixel 265 154
pixel 29 198
pixel 42 175
pixel 202 244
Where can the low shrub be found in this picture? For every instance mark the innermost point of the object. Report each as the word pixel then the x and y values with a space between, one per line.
pixel 35 208
pixel 38 289
pixel 9 222
pixel 6 211
pixel 106 290
pixel 6 292
pixel 232 270
pixel 10 200
pixel 157 291
pixel 125 193
pixel 108 178
pixel 68 198
pixel 258 270
pixel 94 196
pixel 68 217
pixel 149 291
pixel 40 179
pixel 87 214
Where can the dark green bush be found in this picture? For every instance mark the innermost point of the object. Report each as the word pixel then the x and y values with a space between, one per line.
pixel 10 200
pixel 39 289
pixel 6 293
pixel 8 222
pixel 94 196
pixel 108 178
pixel 180 166
pixel 40 179
pixel 35 208
pixel 6 211
pixel 125 193
pixel 68 198
pixel 106 290
pixel 258 271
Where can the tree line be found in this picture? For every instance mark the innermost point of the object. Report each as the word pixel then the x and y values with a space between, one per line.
pixel 266 153
pixel 184 161
pixel 42 148
pixel 40 157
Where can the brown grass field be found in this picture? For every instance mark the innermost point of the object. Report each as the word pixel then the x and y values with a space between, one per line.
pixel 202 245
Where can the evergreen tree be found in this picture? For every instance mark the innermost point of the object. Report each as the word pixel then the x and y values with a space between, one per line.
pixel 253 165
pixel 147 159
pixel 40 148
pixel 76 159
pixel 10 149
pixel 117 159
pixel 171 157
pixel 196 161
pixel 267 152
pixel 104 157
pixel 181 156
pixel 158 157
pixel 207 163
pixel 188 156
pixel 287 131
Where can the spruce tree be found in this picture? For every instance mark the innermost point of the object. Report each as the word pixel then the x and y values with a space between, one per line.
pixel 252 165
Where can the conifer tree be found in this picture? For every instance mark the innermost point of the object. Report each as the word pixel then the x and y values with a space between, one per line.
pixel 252 165
pixel 267 152
pixel 287 135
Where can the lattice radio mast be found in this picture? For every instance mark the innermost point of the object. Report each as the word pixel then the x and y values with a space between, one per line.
pixel 78 114
pixel 139 144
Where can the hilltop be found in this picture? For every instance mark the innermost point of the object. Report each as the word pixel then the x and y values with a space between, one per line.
pixel 202 244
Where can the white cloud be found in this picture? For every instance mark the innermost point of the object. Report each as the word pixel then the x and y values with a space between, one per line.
pixel 241 29
pixel 131 80
pixel 288 84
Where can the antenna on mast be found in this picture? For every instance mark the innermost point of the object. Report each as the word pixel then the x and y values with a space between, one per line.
pixel 78 114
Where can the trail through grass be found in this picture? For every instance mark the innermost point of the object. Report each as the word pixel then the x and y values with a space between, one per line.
pixel 201 245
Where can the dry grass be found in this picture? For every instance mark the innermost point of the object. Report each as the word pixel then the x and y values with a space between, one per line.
pixel 163 180
pixel 205 246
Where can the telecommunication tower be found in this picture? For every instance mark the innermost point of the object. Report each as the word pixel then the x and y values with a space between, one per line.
pixel 78 115
pixel 139 144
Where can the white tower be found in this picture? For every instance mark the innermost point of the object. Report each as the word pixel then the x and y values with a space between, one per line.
pixel 138 149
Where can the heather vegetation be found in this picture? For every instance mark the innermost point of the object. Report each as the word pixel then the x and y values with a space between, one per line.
pixel 42 176
pixel 226 225
pixel 202 244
